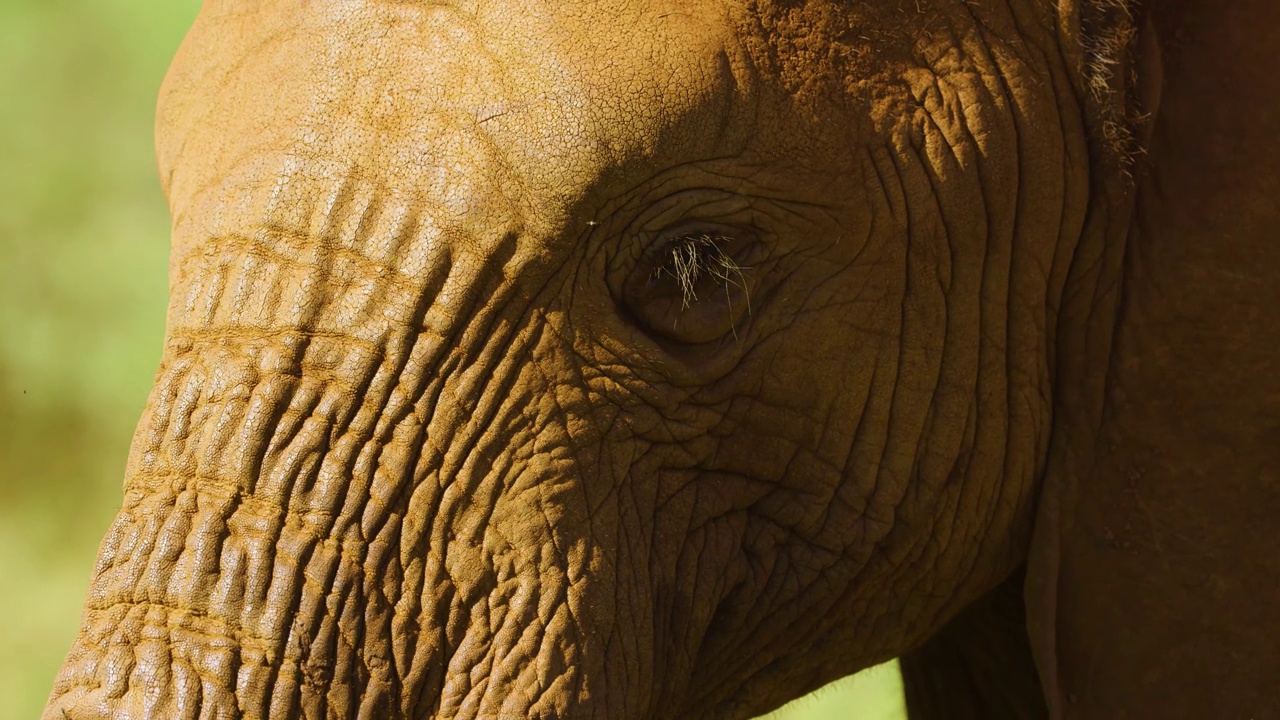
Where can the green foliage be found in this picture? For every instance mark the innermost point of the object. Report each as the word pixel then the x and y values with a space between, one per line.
pixel 82 286
pixel 83 252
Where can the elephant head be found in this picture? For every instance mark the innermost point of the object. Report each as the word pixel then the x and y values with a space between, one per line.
pixel 532 359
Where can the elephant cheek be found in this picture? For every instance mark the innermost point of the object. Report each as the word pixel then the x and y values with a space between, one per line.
pixel 319 522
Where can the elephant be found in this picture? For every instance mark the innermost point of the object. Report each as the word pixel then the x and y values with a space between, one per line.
pixel 648 359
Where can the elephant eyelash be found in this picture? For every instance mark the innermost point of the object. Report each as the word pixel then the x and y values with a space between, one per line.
pixel 691 258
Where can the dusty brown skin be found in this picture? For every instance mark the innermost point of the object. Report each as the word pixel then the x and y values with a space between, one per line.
pixel 439 432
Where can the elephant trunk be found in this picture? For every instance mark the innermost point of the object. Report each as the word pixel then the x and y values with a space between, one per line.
pixel 333 503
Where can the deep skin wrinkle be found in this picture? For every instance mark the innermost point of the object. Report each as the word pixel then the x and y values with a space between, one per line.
pixel 407 455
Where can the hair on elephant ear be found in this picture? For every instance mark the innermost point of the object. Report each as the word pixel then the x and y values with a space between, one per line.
pixel 1108 33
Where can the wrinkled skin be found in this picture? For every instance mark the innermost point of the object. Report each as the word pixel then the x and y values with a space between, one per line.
pixel 438 432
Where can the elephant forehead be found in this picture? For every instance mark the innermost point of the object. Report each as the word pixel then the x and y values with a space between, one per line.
pixel 493 120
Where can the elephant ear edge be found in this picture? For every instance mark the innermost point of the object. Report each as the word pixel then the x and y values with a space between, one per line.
pixel 1154 572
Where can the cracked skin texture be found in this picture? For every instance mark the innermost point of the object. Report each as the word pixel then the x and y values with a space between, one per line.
pixel 436 433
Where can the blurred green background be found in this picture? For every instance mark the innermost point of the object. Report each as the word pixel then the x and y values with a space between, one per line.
pixel 83 251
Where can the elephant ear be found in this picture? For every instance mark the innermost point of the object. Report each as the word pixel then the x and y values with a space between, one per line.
pixel 1153 583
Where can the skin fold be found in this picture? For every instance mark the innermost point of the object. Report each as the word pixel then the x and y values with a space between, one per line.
pixel 610 359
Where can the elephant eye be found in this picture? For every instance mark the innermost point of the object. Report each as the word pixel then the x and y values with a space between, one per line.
pixel 693 289
pixel 694 261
